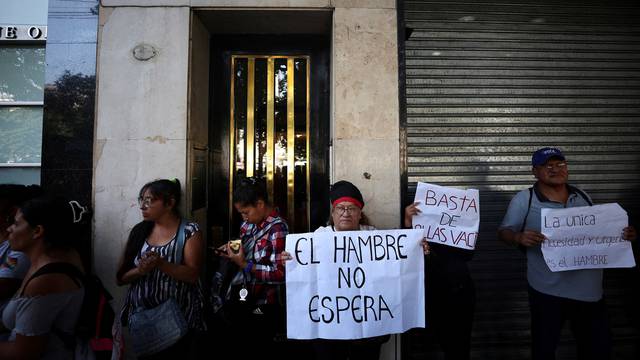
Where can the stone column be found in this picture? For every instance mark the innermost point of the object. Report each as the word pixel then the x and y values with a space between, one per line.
pixel 365 126
pixel 141 122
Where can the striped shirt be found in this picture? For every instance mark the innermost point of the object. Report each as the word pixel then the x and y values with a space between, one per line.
pixel 156 287
pixel 263 245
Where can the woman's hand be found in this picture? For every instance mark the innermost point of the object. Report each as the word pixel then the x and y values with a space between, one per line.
pixel 425 246
pixel 236 257
pixel 149 261
pixel 221 250
pixel 629 233
pixel 409 212
pixel 285 256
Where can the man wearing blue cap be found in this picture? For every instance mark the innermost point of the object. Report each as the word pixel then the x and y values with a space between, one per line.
pixel 557 296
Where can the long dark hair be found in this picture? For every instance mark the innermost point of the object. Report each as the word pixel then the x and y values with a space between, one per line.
pixel 55 216
pixel 137 236
pixel 164 189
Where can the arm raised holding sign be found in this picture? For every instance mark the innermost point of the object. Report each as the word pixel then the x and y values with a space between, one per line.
pixel 409 212
pixel 450 293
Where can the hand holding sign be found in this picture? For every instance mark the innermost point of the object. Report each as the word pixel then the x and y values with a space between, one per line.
pixel 529 238
pixel 447 216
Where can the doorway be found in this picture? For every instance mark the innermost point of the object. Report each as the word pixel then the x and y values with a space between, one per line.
pixel 269 133
pixel 270 120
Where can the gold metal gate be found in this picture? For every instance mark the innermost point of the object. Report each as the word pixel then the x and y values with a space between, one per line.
pixel 269 132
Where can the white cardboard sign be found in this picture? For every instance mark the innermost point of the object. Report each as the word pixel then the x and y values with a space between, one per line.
pixel 586 237
pixel 354 284
pixel 448 216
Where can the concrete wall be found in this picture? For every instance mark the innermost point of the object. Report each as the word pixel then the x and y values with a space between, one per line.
pixel 142 116
pixel 365 126
pixel 141 124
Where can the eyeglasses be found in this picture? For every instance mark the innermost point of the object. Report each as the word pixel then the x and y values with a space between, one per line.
pixel 346 209
pixel 145 202
pixel 559 166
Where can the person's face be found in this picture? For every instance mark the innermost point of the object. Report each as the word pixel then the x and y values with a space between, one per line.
pixel 554 172
pixel 21 234
pixel 253 214
pixel 152 207
pixel 346 216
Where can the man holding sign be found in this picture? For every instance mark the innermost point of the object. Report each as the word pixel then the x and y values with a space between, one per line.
pixel 557 295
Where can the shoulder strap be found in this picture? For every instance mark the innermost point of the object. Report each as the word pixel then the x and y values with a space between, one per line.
pixel 584 196
pixel 264 230
pixel 180 242
pixel 524 222
pixel 179 252
pixel 58 268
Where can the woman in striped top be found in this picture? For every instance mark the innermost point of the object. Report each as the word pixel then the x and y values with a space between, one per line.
pixel 149 266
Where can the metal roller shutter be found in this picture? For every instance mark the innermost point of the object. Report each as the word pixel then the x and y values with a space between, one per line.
pixel 488 82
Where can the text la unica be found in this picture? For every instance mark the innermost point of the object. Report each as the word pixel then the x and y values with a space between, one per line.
pixel 569 221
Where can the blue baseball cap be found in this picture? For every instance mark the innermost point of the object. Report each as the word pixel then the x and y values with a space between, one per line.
pixel 541 156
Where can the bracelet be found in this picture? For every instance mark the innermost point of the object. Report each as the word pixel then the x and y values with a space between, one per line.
pixel 247 268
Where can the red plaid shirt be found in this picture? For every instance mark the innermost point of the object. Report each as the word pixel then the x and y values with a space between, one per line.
pixel 267 275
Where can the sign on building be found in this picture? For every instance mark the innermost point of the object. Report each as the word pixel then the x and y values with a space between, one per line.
pixel 23 33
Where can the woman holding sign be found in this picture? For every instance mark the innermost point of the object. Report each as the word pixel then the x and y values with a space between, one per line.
pixel 450 295
pixel 346 215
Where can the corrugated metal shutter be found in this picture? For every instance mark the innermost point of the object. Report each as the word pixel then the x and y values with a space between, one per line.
pixel 488 82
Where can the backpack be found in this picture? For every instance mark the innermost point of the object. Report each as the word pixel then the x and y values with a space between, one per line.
pixel 93 329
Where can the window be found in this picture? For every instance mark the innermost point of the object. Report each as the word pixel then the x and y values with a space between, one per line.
pixel 21 102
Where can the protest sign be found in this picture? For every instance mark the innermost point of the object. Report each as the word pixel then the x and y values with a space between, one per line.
pixel 448 216
pixel 354 284
pixel 586 237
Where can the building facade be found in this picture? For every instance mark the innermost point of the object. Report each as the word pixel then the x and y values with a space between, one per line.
pixel 382 93
pixel 312 97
